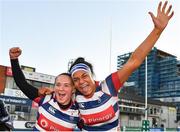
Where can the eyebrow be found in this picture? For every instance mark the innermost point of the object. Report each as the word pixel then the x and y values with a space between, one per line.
pixel 63 83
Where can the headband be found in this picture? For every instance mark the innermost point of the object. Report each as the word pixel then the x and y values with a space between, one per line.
pixel 80 66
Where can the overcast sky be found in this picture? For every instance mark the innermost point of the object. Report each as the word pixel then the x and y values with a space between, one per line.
pixel 52 32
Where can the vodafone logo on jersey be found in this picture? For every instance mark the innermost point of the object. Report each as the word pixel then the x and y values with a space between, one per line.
pixel 50 125
pixel 44 123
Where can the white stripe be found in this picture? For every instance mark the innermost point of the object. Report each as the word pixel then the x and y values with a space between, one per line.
pixel 103 107
pixel 47 98
pixel 80 66
pixel 105 88
pixel 55 119
pixel 96 96
pixel 54 104
pixel 68 111
pixel 80 69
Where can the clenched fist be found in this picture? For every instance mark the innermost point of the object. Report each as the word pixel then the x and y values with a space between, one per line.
pixel 45 91
pixel 15 52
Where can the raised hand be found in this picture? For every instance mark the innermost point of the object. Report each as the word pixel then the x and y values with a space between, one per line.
pixel 15 52
pixel 163 16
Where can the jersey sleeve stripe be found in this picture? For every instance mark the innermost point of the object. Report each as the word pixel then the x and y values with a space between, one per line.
pixel 110 86
pixel 116 81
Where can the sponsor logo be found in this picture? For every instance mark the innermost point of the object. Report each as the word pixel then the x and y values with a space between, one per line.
pixel 52 110
pixel 53 128
pixel 71 118
pixel 44 123
pixel 104 115
pixel 29 124
pixel 100 119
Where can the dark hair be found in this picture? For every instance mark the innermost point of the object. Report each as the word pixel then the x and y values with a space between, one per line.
pixel 82 60
pixel 64 73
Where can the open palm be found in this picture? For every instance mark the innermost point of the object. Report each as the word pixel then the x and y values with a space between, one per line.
pixel 163 16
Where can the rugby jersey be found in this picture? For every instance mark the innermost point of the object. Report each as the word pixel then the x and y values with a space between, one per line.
pixel 101 111
pixel 52 118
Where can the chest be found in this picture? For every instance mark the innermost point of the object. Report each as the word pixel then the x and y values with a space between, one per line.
pixel 51 117
pixel 97 100
pixel 100 108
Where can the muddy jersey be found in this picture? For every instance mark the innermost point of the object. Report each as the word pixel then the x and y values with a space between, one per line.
pixel 52 118
pixel 101 111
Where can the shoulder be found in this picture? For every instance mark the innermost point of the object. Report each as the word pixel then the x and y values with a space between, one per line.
pixel 43 99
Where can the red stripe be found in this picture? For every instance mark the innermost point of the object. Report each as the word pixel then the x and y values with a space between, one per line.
pixel 99 117
pixel 116 81
pixel 48 125
pixel 37 100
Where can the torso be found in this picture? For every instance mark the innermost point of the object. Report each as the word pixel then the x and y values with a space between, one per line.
pixel 52 118
pixel 101 111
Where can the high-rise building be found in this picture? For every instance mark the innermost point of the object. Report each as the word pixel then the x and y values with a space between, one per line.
pixel 163 76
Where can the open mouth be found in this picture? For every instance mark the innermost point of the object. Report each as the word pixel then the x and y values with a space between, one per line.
pixel 84 87
pixel 61 95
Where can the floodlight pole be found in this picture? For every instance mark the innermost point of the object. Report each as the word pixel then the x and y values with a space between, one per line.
pixel 110 43
pixel 146 89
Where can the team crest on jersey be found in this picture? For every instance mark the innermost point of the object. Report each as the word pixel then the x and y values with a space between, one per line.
pixel 71 118
pixel 52 110
pixel 99 99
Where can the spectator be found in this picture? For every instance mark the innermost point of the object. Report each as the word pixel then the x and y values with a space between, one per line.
pixel 4 118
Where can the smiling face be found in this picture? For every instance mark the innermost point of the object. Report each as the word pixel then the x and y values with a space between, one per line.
pixel 84 82
pixel 64 89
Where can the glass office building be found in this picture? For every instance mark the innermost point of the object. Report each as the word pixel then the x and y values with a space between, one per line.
pixel 163 76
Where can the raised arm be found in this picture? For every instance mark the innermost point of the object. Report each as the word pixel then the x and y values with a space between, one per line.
pixel 138 56
pixel 30 91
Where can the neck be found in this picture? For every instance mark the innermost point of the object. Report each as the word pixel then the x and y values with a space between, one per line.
pixel 65 106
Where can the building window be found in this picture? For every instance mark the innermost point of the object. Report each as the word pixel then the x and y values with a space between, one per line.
pixel 17 108
pixel 45 85
pixel 25 109
pixel 51 85
pixel 125 109
pixel 155 111
pixel 138 118
pixel 9 82
pixel 131 117
pixel 161 111
pixel 15 86
pixel 37 84
pixel 151 111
